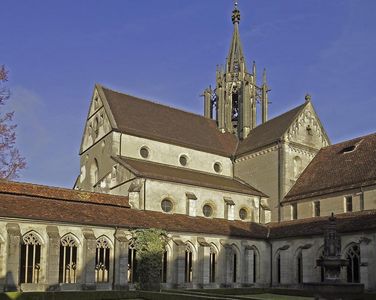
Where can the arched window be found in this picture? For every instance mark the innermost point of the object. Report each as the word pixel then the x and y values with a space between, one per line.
pixel 102 260
pixel 234 265
pixel 132 263
pixel 30 258
pixel 353 268
pixel 164 266
pixel 322 269
pixel 297 166
pixel 299 266
pixel 94 172
pixel 212 262
pixel 188 263
pixel 68 259
pixel 278 263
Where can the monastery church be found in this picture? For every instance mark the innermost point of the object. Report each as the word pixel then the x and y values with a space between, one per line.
pixel 244 204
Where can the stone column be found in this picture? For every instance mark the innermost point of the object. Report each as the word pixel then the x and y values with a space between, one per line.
pixel 248 266
pixel 120 260
pixel 13 257
pixel 203 255
pixel 366 251
pixel 89 247
pixel 179 259
pixel 309 265
pixel 53 256
pixel 221 266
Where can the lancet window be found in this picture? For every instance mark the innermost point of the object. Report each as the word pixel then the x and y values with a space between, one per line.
pixel 353 268
pixel 102 260
pixel 188 264
pixel 30 258
pixel 68 259
pixel 132 263
pixel 212 262
pixel 299 267
pixel 164 266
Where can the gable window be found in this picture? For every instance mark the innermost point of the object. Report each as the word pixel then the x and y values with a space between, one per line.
pixel 348 204
pixel 30 258
pixel 316 208
pixel 68 260
pixel 294 211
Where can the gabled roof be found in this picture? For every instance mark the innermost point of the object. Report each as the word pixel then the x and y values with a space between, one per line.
pixel 269 132
pixel 48 192
pixel 34 202
pixel 345 223
pixel 347 165
pixel 147 119
pixel 158 171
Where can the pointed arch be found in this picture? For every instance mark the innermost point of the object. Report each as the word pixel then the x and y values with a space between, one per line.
pixel 68 258
pixel 188 265
pixel 213 256
pixel 352 255
pixel 278 264
pixel 252 257
pixel 30 253
pixel 298 265
pixel 132 262
pixel 102 259
pixel 235 263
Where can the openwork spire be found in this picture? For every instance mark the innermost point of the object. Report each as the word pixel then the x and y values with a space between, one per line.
pixel 235 59
pixel 236 14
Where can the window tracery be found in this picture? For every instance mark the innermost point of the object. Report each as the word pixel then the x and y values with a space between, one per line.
pixel 68 259
pixel 102 260
pixel 30 258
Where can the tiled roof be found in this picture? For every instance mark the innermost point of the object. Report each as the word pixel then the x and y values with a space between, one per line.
pixel 153 170
pixel 162 123
pixel 35 202
pixel 51 207
pixel 269 132
pixel 337 168
pixel 42 191
pixel 346 223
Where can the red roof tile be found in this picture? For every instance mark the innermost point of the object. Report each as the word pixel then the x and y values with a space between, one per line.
pixel 334 169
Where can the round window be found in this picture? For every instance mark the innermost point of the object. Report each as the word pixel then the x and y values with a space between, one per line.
pixel 183 159
pixel 207 210
pixel 144 152
pixel 166 205
pixel 218 167
pixel 243 214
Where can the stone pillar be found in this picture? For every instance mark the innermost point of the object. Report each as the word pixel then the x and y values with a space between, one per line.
pixel 120 264
pixel 89 247
pixel 13 257
pixel 221 266
pixel 53 256
pixel 179 260
pixel 248 266
pixel 309 265
pixel 366 250
pixel 286 267
pixel 203 255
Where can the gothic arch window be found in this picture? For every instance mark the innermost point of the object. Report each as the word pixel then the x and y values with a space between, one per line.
pixel 188 266
pixel 132 263
pixel 68 259
pixel 30 258
pixel 234 263
pixel 322 270
pixel 102 260
pixel 353 269
pixel 96 127
pixel 212 264
pixel 299 266
pixel 164 266
pixel 94 172
pixel 278 267
pixel 297 166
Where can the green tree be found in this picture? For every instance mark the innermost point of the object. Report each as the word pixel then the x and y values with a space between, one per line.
pixel 11 162
pixel 149 245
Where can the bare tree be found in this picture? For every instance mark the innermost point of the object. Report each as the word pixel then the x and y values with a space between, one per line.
pixel 11 162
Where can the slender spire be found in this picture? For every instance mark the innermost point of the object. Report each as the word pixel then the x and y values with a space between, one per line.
pixel 235 58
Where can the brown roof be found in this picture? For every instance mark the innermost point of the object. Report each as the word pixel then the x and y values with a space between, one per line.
pixel 56 209
pixel 269 132
pixel 42 191
pixel 162 123
pixel 334 169
pixel 158 171
pixel 346 223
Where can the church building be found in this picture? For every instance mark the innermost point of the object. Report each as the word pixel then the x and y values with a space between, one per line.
pixel 245 203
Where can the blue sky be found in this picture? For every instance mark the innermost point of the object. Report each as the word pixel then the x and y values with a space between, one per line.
pixel 167 51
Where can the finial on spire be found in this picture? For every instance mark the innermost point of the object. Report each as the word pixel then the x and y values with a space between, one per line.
pixel 307 97
pixel 235 13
